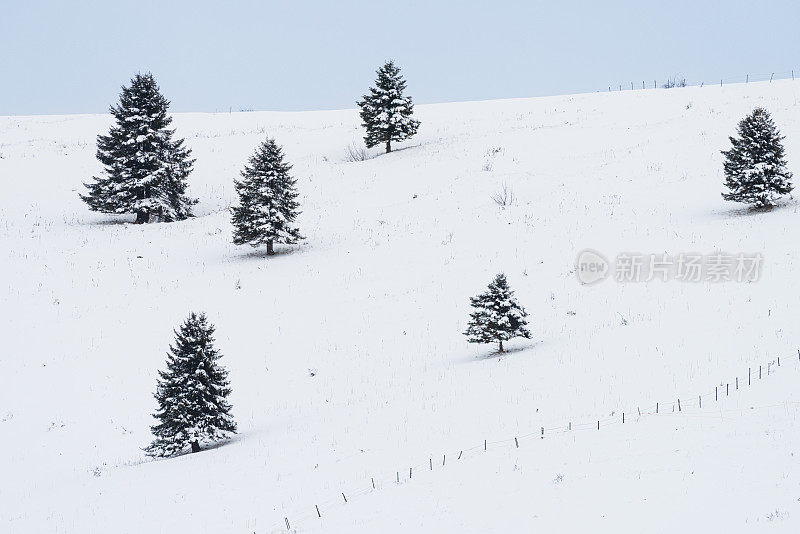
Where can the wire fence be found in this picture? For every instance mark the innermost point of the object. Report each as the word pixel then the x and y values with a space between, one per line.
pixel 680 81
pixel 679 405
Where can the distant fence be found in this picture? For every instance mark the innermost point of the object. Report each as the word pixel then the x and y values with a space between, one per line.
pixel 677 405
pixel 675 81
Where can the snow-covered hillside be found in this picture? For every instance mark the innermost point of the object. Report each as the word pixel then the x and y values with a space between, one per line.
pixel 346 354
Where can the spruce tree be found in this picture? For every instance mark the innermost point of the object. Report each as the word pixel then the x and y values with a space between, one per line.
pixel 497 316
pixel 145 168
pixel 385 112
pixel 755 168
pixel 192 393
pixel 267 201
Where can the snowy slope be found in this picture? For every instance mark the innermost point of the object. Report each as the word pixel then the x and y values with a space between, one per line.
pixel 375 304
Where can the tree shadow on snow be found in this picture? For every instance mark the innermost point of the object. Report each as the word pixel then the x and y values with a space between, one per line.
pixel 749 211
pixel 261 253
pixel 395 150
pixel 402 148
pixel 185 453
pixel 224 443
pixel 113 220
pixel 495 355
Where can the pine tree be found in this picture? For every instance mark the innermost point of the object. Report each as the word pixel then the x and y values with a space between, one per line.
pixel 267 200
pixel 385 112
pixel 145 169
pixel 497 316
pixel 755 168
pixel 192 393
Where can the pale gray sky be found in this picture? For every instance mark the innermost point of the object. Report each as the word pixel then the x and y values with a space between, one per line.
pixel 72 57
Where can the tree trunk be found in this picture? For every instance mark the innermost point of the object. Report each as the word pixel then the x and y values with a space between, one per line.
pixel 388 146
pixel 270 251
pixel 195 447
pixel 501 346
pixel 142 216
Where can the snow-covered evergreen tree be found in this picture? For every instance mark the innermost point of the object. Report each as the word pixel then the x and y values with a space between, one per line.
pixel 385 112
pixel 267 201
pixel 192 393
pixel 145 168
pixel 755 168
pixel 497 316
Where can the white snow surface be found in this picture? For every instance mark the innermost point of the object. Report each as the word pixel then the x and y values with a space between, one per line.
pixel 375 304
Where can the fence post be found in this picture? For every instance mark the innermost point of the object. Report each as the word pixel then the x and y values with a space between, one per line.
pixel 598 425
pixel 700 400
pixel 343 497
pixel 679 405
pixel 656 407
pixel 373 482
pixel 459 454
pixel 516 442
pixel 747 79
pixel 623 418
pixel 716 393
pixel 430 461
pixel 759 372
pixel 318 514
pixel 737 382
